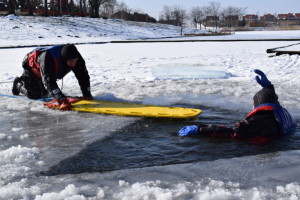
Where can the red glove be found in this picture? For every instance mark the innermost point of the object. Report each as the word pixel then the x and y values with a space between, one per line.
pixel 65 105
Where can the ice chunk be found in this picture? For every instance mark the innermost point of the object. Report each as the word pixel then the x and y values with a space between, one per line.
pixel 178 72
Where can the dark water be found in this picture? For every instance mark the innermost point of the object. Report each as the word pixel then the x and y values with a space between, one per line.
pixel 154 142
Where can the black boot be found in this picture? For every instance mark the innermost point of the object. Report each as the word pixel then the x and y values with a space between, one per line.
pixel 25 92
pixel 19 87
pixel 16 86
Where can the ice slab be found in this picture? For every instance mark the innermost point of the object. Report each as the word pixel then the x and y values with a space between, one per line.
pixel 178 72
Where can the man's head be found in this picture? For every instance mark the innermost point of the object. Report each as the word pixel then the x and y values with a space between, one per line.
pixel 265 96
pixel 70 55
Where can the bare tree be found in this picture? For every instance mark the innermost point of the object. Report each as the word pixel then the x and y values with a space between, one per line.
pixel 45 12
pixel 71 6
pixel 179 15
pixel 83 7
pixel 213 9
pixel 11 7
pixel 197 15
pixel 29 6
pixel 81 11
pixel 122 6
pixel 109 8
pixel 95 7
pixel 230 10
pixel 173 15
pixel 123 10
pixel 231 15
pixel 166 15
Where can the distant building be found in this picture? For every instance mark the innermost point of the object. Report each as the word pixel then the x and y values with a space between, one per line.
pixel 212 21
pixel 297 15
pixel 231 20
pixel 268 17
pixel 250 17
pixel 289 16
pixel 212 18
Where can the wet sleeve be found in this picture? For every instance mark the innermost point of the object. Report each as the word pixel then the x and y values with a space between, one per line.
pixel 83 77
pixel 216 131
pixel 48 76
pixel 270 90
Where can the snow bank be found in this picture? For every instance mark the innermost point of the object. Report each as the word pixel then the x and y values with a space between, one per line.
pixel 184 181
pixel 17 154
pixel 24 30
pixel 211 189
pixel 34 31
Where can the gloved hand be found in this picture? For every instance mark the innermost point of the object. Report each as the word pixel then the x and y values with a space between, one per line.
pixel 263 81
pixel 64 104
pixel 188 130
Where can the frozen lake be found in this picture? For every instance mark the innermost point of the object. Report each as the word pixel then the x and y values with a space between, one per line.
pixel 48 154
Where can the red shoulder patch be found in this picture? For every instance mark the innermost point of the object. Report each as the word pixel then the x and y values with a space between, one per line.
pixel 259 109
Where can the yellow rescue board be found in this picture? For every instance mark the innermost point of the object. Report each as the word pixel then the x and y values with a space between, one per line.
pixel 133 109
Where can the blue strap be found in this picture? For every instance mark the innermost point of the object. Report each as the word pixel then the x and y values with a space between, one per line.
pixel 23 97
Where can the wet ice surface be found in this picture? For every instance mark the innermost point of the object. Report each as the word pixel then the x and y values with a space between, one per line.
pixel 64 154
pixel 155 142
pixel 54 133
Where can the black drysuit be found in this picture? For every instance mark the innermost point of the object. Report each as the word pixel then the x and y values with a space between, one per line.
pixel 261 122
pixel 43 67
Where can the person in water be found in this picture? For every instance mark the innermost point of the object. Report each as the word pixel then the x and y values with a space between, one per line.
pixel 44 66
pixel 268 119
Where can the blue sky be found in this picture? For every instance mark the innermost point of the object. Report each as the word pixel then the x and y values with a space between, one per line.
pixel 154 7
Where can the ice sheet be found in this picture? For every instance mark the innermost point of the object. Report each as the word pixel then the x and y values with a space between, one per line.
pixel 189 72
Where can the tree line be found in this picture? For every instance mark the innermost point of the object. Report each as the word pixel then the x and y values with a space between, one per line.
pixel 209 15
pixel 91 8
pixel 105 8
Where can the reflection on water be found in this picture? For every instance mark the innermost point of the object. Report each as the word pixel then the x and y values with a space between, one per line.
pixel 154 142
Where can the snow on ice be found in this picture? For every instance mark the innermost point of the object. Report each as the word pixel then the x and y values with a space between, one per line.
pixel 142 72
